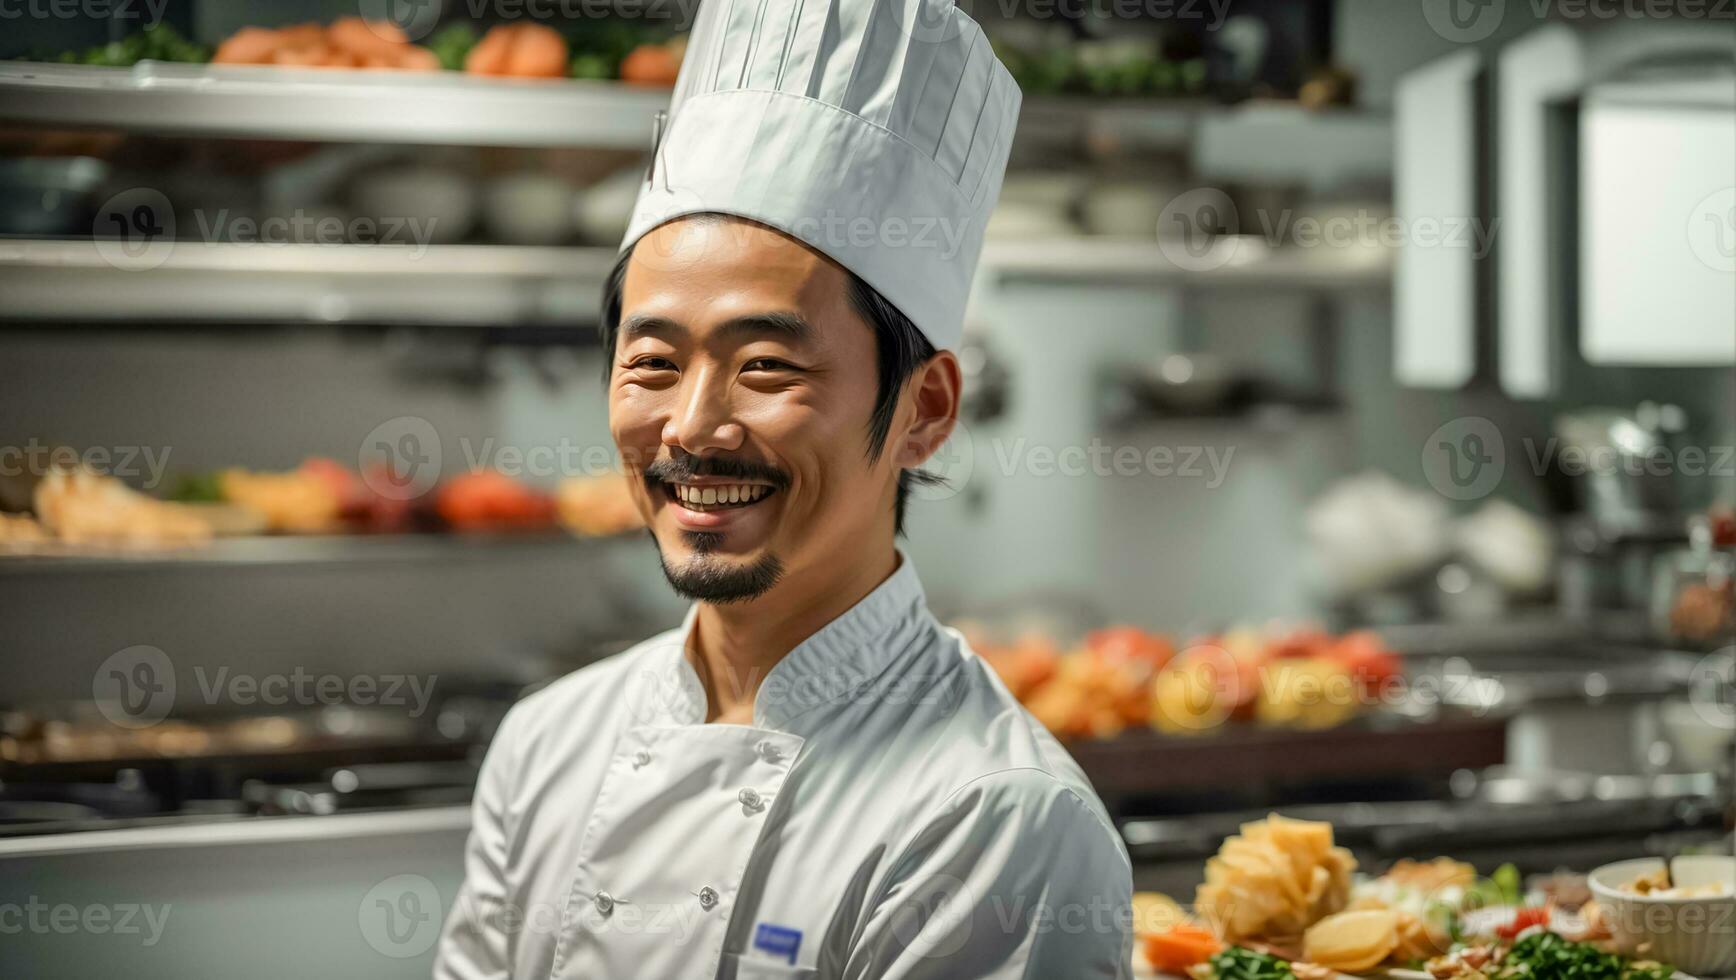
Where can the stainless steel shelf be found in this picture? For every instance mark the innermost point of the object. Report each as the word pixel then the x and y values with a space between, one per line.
pixel 492 285
pixel 445 108
pixel 306 550
pixel 1234 260
pixel 1260 141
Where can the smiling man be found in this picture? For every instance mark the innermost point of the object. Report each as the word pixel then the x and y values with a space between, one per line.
pixel 811 777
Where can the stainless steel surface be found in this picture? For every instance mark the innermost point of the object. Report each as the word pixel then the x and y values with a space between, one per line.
pixel 1236 260
pixel 229 834
pixel 300 104
pixel 310 550
pixel 1399 821
pixel 481 285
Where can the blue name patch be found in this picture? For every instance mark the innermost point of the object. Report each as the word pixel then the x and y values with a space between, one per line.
pixel 778 941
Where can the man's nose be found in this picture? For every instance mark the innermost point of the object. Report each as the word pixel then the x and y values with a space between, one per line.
pixel 703 420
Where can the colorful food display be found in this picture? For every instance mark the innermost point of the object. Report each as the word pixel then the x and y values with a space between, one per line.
pixel 81 507
pixel 1282 902
pixel 349 42
pixel 79 510
pixel 1126 677
pixel 620 50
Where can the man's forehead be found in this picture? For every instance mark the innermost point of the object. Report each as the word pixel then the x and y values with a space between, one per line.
pixel 728 267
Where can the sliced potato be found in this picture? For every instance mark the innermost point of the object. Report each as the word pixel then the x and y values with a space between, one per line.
pixel 1352 941
pixel 1155 912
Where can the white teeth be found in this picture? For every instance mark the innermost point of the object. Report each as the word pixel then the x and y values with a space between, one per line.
pixel 740 493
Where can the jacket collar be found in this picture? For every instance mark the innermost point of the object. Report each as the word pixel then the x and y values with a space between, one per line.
pixel 845 659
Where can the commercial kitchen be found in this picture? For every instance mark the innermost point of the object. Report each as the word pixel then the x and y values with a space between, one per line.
pixel 1344 474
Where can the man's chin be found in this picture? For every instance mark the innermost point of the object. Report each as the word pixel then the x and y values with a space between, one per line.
pixel 699 571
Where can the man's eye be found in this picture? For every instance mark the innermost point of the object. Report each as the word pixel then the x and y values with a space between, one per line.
pixel 767 364
pixel 652 364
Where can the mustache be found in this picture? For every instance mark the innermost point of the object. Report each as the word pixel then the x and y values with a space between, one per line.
pixel 677 469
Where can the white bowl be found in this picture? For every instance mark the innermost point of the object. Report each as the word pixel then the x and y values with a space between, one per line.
pixel 1696 935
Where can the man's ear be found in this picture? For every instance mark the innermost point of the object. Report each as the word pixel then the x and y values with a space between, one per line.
pixel 933 390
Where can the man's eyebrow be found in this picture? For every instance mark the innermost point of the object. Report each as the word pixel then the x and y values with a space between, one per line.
pixel 788 326
pixel 777 323
pixel 646 325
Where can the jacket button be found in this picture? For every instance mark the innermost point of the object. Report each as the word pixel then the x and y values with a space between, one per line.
pixel 641 759
pixel 708 898
pixel 605 903
pixel 751 799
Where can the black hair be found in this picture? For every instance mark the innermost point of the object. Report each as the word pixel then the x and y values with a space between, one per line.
pixel 901 350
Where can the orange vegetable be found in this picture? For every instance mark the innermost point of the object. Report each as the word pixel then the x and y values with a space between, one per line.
pixel 366 38
pixel 519 51
pixel 351 42
pixel 249 46
pixel 314 56
pixel 651 64
pixel 309 32
pixel 1181 947
pixel 413 58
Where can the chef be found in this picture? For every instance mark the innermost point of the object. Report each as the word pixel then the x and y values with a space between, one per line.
pixel 811 777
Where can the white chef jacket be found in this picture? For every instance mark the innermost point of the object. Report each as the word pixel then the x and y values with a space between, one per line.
pixel 891 813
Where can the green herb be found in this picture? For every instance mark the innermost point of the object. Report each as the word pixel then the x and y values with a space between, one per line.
pixel 195 488
pixel 1547 956
pixel 592 66
pixel 1236 963
pixel 158 43
pixel 452 45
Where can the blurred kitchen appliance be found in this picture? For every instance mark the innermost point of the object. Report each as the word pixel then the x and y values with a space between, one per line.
pixel 1583 697
pixel 1629 493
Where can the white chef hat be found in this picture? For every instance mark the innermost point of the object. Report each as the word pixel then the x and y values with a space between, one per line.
pixel 876 131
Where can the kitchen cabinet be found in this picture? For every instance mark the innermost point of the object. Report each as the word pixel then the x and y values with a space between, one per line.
pixel 1658 222
pixel 1435 193
pixel 1539 77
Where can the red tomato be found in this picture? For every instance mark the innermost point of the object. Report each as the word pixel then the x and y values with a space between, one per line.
pixel 1523 919
pixel 492 500
pixel 1121 644
pixel 1367 659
